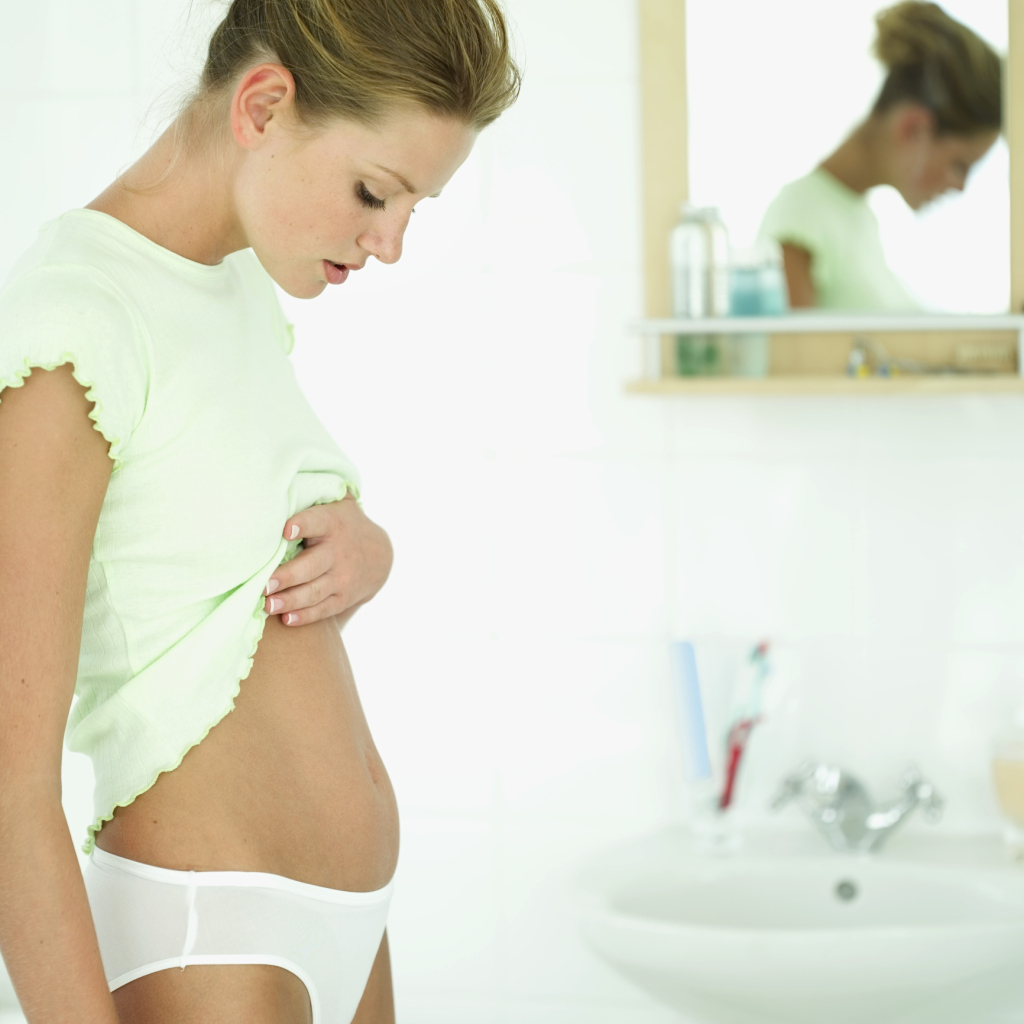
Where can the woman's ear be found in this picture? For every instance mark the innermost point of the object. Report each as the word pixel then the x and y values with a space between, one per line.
pixel 913 123
pixel 265 91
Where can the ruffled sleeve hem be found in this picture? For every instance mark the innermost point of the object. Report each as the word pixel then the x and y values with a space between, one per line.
pixel 100 420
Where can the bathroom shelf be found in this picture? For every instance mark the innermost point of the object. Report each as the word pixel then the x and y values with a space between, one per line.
pixel 805 384
pixel 826 323
pixel 810 351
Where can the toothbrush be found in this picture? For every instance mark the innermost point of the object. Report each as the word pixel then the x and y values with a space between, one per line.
pixel 747 716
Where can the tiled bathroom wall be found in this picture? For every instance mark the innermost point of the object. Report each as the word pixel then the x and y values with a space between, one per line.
pixel 553 534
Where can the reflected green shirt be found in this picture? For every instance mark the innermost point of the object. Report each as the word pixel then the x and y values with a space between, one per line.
pixel 839 229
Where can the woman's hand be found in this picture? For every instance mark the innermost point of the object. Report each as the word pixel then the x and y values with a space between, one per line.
pixel 346 560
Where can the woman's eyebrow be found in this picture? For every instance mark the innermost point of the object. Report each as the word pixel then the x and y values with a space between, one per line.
pixel 394 174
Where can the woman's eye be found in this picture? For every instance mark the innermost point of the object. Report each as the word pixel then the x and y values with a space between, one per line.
pixel 367 198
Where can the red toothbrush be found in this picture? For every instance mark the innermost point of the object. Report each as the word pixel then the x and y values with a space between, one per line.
pixel 749 716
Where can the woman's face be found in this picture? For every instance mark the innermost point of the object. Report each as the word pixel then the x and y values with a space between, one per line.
pixel 315 208
pixel 927 165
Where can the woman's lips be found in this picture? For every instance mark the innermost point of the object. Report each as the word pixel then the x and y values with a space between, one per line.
pixel 336 272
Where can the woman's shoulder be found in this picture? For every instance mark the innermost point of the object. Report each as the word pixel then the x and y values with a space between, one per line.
pixel 809 208
pixel 59 306
pixel 817 191
pixel 64 268
pixel 61 292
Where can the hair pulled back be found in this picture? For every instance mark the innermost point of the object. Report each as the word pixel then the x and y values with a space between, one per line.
pixel 935 61
pixel 357 59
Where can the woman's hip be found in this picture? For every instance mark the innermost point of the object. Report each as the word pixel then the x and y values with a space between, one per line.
pixel 151 919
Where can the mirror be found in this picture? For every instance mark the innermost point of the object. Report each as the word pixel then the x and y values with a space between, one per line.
pixel 774 89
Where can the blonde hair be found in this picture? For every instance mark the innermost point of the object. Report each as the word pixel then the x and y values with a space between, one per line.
pixel 355 60
pixel 935 61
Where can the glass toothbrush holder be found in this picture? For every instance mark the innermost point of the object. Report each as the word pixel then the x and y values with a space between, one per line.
pixel 1008 779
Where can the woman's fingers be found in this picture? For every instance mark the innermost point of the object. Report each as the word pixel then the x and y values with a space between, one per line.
pixel 306 603
pixel 305 566
pixel 315 521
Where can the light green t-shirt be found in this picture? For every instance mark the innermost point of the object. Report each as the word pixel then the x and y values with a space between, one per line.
pixel 214 448
pixel 839 229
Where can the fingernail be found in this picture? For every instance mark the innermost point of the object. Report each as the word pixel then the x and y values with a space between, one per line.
pixel 271 587
pixel 289 619
pixel 293 532
pixel 275 603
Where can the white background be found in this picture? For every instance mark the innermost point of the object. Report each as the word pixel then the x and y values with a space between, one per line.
pixel 553 534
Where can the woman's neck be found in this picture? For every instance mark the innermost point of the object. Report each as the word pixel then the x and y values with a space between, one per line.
pixel 856 163
pixel 190 212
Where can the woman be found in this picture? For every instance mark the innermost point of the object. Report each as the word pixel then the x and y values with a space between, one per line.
pixel 939 112
pixel 245 831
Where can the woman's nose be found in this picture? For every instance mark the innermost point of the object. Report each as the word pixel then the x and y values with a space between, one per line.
pixel 386 246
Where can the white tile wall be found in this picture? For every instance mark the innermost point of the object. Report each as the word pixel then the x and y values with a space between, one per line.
pixel 553 534
pixel 90 50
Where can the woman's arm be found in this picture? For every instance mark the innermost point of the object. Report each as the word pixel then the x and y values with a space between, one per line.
pixel 797 263
pixel 54 470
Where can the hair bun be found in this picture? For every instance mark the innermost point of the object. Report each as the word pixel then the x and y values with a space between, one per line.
pixel 913 32
pixel 934 60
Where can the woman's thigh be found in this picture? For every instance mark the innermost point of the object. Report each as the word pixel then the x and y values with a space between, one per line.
pixel 243 994
pixel 378 1003
pixel 220 994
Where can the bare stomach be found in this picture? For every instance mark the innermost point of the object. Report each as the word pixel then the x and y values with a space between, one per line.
pixel 289 782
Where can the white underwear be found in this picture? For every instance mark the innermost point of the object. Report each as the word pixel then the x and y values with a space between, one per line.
pixel 150 919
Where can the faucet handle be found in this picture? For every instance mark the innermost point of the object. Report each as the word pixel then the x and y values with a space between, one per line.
pixel 792 785
pixel 929 799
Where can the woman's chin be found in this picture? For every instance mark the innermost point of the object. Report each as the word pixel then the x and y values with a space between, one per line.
pixel 915 200
pixel 309 288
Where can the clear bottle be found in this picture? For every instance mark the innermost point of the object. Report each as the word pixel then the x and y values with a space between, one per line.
pixel 718 261
pixel 699 262
pixel 689 261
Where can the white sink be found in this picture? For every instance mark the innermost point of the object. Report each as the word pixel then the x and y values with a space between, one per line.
pixel 787 932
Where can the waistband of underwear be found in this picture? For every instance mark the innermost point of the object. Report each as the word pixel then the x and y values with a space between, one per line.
pixel 251 879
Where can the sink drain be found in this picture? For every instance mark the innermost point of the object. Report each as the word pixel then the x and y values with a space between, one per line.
pixel 846 891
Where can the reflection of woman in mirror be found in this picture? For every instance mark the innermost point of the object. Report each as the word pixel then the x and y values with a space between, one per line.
pixel 939 111
pixel 181 538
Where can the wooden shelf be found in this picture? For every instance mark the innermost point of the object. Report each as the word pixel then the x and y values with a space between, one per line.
pixel 816 322
pixel 810 352
pixel 906 384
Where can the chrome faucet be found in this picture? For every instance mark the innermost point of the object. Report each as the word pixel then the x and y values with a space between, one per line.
pixel 840 805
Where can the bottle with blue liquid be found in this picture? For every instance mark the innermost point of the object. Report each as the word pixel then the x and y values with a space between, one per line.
pixel 757 287
pixel 712 279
